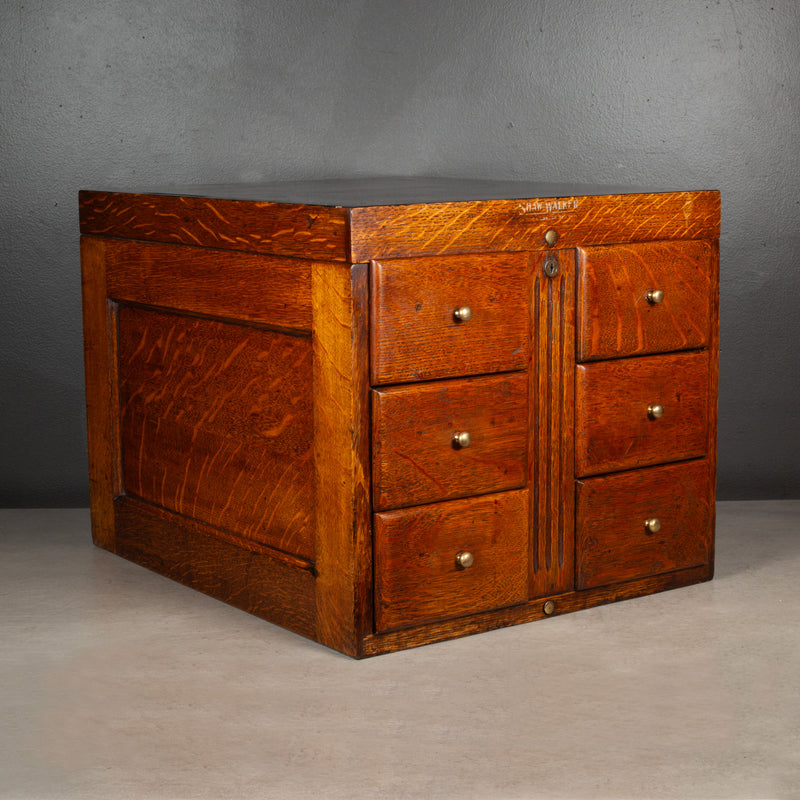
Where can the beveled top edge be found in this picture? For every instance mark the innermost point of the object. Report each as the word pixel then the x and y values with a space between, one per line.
pixel 351 193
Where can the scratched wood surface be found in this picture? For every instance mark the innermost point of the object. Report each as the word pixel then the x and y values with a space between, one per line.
pixel 217 424
pixel 612 544
pixel 306 231
pixel 415 335
pixel 267 290
pixel 551 426
pixel 414 457
pixel 614 316
pixel 416 575
pixel 612 428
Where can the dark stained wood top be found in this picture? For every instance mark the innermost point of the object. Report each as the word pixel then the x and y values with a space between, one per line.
pixel 387 191
pixel 357 220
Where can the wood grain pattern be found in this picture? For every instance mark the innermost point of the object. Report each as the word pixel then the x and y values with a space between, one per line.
pixel 615 319
pixel 415 335
pixel 551 426
pixel 102 400
pixel 237 286
pixel 217 424
pixel 242 574
pixel 612 544
pixel 432 632
pixel 416 575
pixel 341 455
pixel 279 229
pixel 612 427
pixel 519 225
pixel 414 458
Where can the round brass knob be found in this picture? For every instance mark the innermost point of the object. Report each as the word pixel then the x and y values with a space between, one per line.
pixel 551 237
pixel 549 607
pixel 462 439
pixel 463 313
pixel 655 411
pixel 654 296
pixel 652 525
pixel 465 559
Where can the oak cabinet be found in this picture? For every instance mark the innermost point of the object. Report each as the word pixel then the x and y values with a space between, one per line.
pixel 388 412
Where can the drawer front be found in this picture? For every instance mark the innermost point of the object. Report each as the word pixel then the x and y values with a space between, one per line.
pixel 417 333
pixel 416 457
pixel 613 543
pixel 418 577
pixel 616 416
pixel 615 317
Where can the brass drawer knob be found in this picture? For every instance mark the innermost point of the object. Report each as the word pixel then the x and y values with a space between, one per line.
pixel 551 237
pixel 655 411
pixel 462 439
pixel 465 559
pixel 463 313
pixel 654 296
pixel 652 525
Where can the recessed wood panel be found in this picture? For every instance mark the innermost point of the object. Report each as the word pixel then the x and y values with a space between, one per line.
pixel 416 334
pixel 612 543
pixel 415 459
pixel 613 430
pixel 417 577
pixel 216 424
pixel 615 317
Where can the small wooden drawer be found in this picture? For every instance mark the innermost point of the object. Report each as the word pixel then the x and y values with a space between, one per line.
pixel 613 542
pixel 640 411
pixel 450 316
pixel 416 456
pixel 615 316
pixel 418 577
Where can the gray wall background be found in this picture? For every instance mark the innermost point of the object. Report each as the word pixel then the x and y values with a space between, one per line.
pixel 669 94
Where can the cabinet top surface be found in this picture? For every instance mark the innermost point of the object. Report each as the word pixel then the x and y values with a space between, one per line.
pixel 387 191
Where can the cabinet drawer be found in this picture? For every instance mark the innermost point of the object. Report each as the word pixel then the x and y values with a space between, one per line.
pixel 612 542
pixel 415 456
pixel 616 426
pixel 615 317
pixel 417 574
pixel 416 333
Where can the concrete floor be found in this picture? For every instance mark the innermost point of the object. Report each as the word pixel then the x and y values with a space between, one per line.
pixel 117 683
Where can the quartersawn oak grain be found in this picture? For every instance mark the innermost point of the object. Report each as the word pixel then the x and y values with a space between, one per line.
pixel 216 424
pixel 612 428
pixel 415 459
pixel 612 544
pixel 244 287
pixel 416 575
pixel 415 333
pixel 206 283
pixel 614 316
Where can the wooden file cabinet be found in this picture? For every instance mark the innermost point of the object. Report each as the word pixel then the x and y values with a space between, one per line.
pixel 383 413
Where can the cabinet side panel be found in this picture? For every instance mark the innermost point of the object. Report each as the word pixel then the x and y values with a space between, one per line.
pixel 552 404
pixel 216 423
pixel 341 455
pixel 713 394
pixel 102 400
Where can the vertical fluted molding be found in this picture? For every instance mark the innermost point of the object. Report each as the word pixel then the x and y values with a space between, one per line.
pixel 552 401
